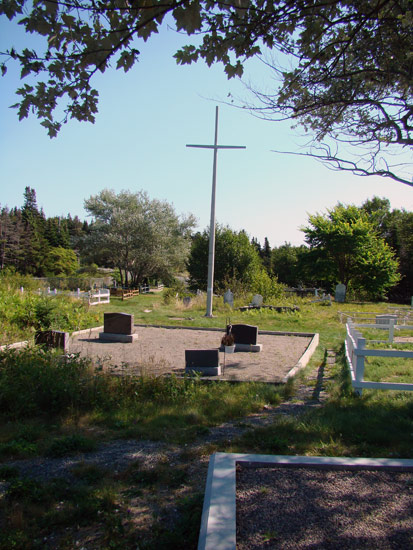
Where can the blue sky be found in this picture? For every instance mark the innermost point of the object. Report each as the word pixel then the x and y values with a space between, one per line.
pixel 146 117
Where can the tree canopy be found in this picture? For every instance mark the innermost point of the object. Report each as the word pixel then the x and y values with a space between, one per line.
pixel 288 264
pixel 139 236
pixel 345 247
pixel 32 243
pixel 236 259
pixel 345 66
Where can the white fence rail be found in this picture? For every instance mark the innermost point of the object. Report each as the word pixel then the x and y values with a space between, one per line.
pixel 100 296
pixel 356 351
pixel 404 315
pixel 94 297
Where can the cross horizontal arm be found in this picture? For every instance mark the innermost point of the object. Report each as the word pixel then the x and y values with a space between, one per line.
pixel 219 146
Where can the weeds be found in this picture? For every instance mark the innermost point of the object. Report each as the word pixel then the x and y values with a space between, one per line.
pixel 21 314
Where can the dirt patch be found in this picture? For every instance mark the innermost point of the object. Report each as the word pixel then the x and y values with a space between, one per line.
pixel 302 508
pixel 162 350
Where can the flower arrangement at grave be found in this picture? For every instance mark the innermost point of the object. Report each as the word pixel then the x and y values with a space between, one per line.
pixel 228 340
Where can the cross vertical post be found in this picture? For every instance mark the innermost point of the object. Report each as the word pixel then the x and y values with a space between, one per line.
pixel 211 254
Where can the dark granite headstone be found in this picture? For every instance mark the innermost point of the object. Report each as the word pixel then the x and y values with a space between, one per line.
pixel 118 323
pixel 245 334
pixel 52 339
pixel 201 358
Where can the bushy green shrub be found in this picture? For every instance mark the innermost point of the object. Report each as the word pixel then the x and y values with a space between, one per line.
pixel 267 286
pixel 22 313
pixel 177 289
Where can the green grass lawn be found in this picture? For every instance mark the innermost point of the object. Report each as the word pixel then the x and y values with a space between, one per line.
pixel 51 408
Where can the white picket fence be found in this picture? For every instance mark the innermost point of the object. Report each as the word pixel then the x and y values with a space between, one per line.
pixel 356 351
pixel 100 296
pixel 93 297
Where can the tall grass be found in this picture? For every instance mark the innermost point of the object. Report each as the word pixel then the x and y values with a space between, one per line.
pixel 44 385
pixel 378 424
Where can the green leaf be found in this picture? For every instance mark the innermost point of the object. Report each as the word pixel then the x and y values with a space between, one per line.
pixel 188 18
pixel 234 70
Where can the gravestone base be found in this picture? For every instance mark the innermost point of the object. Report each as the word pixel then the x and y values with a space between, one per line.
pixel 245 347
pixel 202 361
pixel 248 347
pixel 113 337
pixel 205 371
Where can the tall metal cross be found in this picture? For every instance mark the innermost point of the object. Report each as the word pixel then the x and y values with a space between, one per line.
pixel 211 256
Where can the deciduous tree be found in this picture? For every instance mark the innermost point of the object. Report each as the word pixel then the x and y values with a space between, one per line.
pixel 287 263
pixel 236 258
pixel 345 248
pixel 141 237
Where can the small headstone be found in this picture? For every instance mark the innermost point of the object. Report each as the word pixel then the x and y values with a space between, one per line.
pixel 229 298
pixel 52 339
pixel 340 294
pixel 245 334
pixel 187 301
pixel 257 300
pixel 203 361
pixel 118 323
pixel 118 327
pixel 245 337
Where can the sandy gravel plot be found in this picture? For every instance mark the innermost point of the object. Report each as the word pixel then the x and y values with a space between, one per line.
pixel 162 350
pixel 328 509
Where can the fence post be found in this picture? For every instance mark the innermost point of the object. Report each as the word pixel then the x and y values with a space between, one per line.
pixel 391 331
pixel 359 367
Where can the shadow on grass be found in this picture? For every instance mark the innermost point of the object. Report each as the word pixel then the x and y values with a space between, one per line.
pixel 378 424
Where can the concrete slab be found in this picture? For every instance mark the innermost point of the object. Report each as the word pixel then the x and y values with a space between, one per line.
pixel 113 337
pixel 204 371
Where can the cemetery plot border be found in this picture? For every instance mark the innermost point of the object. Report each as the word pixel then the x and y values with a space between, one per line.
pixel 160 350
pixel 219 516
